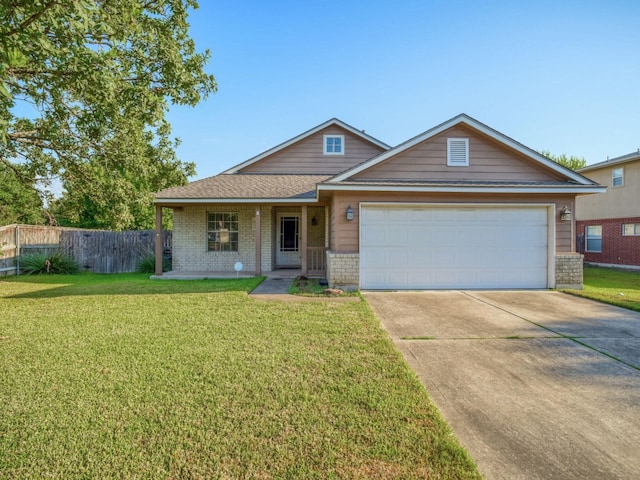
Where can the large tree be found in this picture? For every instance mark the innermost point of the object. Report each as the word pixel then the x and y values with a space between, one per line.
pixel 19 204
pixel 572 162
pixel 84 89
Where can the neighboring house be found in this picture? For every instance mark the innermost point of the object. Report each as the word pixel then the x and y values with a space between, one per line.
pixel 458 206
pixel 608 225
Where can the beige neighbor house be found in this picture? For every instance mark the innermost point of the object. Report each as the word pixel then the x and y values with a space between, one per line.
pixel 458 206
pixel 608 226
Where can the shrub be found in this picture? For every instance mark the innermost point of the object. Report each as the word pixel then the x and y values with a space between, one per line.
pixel 147 263
pixel 56 262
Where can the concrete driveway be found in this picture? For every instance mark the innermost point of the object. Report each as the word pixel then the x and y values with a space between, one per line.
pixel 535 384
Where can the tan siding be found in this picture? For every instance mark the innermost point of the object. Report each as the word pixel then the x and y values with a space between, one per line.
pixel 617 202
pixel 305 157
pixel 346 234
pixel 487 161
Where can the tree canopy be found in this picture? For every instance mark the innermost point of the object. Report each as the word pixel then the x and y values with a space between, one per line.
pixel 17 203
pixel 84 89
pixel 572 162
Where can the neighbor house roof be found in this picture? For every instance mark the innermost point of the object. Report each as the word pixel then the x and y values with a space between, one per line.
pixel 629 157
pixel 243 187
pixel 479 126
pixel 308 133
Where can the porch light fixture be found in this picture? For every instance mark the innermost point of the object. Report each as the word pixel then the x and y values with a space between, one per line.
pixel 349 213
pixel 314 221
pixel 565 214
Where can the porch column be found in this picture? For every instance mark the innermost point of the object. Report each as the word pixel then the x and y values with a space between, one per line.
pixel 158 249
pixel 258 240
pixel 303 240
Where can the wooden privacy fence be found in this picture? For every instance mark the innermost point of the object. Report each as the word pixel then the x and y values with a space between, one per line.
pixel 98 251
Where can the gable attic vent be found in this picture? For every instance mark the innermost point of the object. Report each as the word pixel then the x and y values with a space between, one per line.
pixel 457 152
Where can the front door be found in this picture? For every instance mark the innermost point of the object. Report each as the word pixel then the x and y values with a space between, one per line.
pixel 288 242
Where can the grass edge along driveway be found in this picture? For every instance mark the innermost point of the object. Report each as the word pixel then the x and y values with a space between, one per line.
pixel 121 377
pixel 615 286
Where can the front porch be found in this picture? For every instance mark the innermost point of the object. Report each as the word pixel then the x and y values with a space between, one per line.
pixel 211 241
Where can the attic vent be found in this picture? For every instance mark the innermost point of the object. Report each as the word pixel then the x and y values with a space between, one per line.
pixel 457 152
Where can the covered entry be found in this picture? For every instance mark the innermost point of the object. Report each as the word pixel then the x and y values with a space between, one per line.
pixel 418 246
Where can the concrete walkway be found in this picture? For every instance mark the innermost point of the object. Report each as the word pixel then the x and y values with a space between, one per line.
pixel 535 384
pixel 277 288
pixel 273 286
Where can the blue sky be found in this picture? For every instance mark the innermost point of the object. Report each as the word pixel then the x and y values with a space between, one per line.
pixel 558 75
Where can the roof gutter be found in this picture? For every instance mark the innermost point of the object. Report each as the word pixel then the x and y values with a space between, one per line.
pixel 463 189
pixel 195 201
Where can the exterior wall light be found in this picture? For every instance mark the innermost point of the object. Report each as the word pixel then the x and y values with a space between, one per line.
pixel 349 213
pixel 565 214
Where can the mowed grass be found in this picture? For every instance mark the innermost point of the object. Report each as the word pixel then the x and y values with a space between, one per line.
pixel 122 377
pixel 610 285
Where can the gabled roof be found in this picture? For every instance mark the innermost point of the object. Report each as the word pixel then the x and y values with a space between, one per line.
pixel 245 188
pixel 308 133
pixel 629 157
pixel 464 119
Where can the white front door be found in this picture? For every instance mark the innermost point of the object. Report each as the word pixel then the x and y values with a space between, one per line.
pixel 288 241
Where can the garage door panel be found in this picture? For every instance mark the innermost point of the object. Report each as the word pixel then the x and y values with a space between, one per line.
pixel 453 247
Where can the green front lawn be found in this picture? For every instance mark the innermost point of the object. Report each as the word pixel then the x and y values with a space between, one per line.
pixel 610 285
pixel 118 376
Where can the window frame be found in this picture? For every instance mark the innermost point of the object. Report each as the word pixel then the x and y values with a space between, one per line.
pixel 620 177
pixel 228 224
pixel 592 237
pixel 451 162
pixel 636 230
pixel 325 144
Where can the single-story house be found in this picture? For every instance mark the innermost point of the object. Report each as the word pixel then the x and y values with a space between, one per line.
pixel 608 225
pixel 458 206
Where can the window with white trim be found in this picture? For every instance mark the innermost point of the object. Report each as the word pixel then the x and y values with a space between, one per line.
pixel 630 229
pixel 617 177
pixel 457 152
pixel 333 145
pixel 593 235
pixel 222 231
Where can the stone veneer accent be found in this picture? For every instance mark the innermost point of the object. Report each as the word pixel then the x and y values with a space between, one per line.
pixel 190 240
pixel 343 269
pixel 569 270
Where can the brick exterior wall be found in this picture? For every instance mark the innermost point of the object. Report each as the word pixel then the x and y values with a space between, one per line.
pixel 569 270
pixel 343 269
pixel 616 248
pixel 190 240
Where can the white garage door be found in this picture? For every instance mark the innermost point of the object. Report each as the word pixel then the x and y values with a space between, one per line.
pixel 433 247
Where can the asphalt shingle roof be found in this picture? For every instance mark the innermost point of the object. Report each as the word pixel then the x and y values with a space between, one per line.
pixel 243 186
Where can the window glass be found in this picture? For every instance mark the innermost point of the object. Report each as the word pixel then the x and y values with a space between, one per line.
pixel 333 144
pixel 629 229
pixel 222 232
pixel 617 179
pixel 594 238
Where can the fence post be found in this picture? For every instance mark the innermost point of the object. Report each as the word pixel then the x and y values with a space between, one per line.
pixel 17 249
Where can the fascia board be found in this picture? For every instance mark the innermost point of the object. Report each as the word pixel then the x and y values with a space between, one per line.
pixel 195 201
pixel 466 189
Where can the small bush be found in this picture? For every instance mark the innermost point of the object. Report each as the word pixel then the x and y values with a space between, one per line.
pixel 147 263
pixel 56 262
